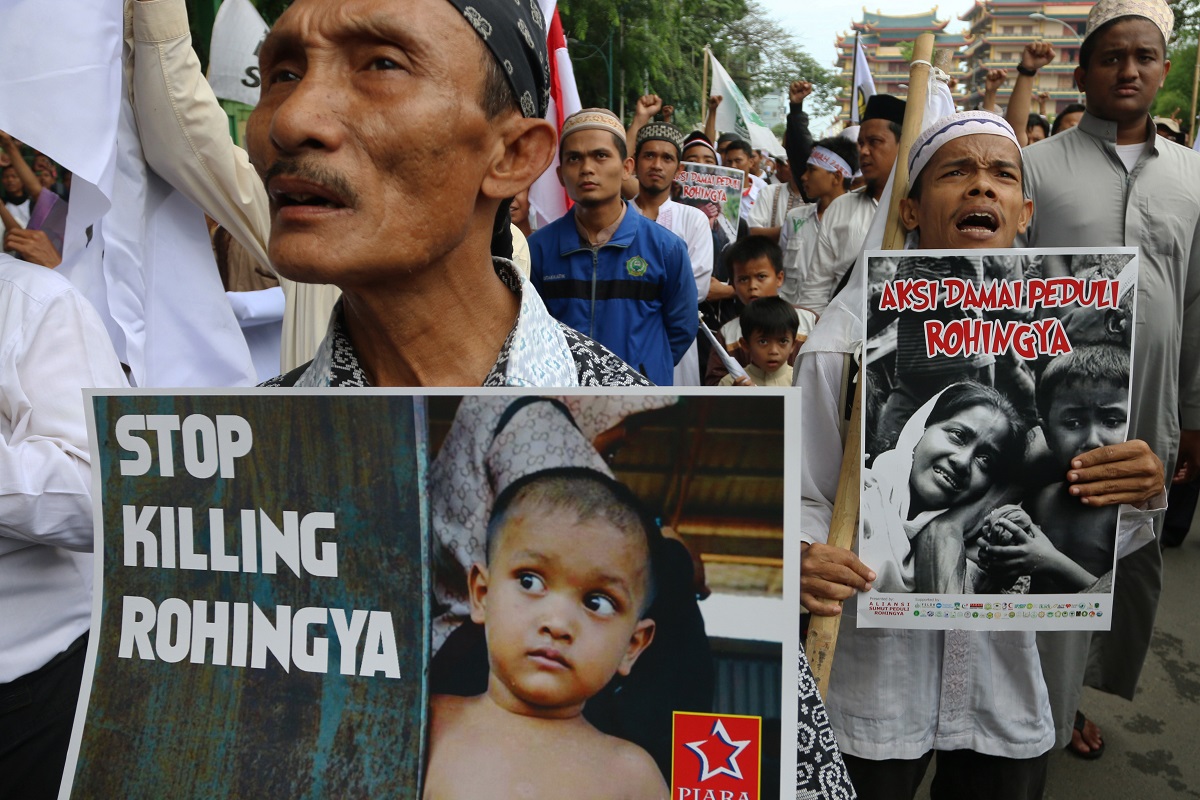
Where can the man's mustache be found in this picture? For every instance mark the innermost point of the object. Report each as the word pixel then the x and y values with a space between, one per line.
pixel 317 174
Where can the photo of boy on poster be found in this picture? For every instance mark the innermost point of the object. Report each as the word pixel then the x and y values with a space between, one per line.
pixel 968 449
pixel 510 479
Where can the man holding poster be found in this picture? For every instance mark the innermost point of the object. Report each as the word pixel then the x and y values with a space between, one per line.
pixel 992 727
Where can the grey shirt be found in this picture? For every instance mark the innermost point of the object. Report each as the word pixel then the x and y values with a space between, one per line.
pixel 1083 196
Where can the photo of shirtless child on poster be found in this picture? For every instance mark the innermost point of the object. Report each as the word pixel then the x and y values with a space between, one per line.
pixel 589 589
pixel 987 375
pixel 444 596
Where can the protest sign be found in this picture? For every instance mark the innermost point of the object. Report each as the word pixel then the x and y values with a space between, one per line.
pixel 266 597
pixel 717 191
pixel 261 598
pixel 987 373
pixel 263 608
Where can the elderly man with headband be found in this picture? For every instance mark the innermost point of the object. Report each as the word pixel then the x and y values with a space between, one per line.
pixel 608 271
pixel 895 697
pixel 826 177
pixel 1110 181
pixel 352 156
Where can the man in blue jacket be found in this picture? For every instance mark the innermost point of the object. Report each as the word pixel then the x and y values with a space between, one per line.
pixel 606 271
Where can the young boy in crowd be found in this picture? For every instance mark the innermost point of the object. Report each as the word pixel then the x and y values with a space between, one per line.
pixel 826 177
pixel 1083 404
pixel 757 271
pixel 562 599
pixel 769 327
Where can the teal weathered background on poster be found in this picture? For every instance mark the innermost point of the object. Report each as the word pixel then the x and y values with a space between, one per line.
pixel 185 730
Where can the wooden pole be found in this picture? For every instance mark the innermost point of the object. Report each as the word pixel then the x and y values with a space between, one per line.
pixel 704 92
pixel 918 91
pixel 823 631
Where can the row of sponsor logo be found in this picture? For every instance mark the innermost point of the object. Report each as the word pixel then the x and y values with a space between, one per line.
pixel 967 614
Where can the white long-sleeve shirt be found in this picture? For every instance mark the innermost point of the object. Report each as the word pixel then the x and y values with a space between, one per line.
pixel 52 346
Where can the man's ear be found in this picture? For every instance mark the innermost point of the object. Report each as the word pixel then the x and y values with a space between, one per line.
pixel 908 213
pixel 642 635
pixel 524 150
pixel 1080 74
pixel 1026 215
pixel 630 165
pixel 1166 69
pixel 477 587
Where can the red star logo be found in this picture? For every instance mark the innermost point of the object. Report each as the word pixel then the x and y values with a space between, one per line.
pixel 718 753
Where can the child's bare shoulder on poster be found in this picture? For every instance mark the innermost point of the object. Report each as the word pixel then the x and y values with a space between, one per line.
pixel 476 747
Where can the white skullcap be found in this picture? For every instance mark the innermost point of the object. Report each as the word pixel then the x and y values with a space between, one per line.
pixel 1157 11
pixel 964 123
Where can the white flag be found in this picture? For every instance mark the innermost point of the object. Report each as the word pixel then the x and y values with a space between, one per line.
pixel 237 33
pixel 147 265
pixel 736 115
pixel 864 84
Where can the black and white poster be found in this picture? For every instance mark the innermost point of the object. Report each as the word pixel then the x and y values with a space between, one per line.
pixel 987 374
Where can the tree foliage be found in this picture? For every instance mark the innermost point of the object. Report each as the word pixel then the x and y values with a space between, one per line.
pixel 659 46
pixel 1176 94
pixel 1187 18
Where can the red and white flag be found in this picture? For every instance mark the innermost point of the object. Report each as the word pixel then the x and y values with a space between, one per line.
pixel 547 198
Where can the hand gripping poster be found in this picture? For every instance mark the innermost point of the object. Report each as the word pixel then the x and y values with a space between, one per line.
pixel 993 381
pixel 322 594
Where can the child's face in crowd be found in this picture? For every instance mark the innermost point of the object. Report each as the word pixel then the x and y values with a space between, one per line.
pixel 1083 418
pixel 768 352
pixel 818 182
pixel 560 602
pixel 756 278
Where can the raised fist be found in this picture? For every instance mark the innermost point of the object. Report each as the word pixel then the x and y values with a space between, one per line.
pixel 1037 55
pixel 799 90
pixel 648 105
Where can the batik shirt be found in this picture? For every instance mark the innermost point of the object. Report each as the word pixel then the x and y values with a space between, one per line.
pixel 538 351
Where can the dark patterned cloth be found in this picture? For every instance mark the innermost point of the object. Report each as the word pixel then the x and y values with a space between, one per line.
pixel 591 363
pixel 515 34
pixel 820 772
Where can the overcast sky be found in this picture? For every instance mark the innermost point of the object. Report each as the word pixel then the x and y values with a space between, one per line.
pixel 816 23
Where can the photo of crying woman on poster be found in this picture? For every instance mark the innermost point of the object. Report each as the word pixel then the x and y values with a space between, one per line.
pixel 988 375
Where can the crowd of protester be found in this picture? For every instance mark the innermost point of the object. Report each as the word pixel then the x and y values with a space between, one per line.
pixel 442 280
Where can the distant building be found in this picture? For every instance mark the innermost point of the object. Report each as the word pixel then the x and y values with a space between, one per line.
pixel 773 108
pixel 1000 29
pixel 882 36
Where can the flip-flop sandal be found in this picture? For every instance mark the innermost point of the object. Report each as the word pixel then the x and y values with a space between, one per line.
pixel 1091 755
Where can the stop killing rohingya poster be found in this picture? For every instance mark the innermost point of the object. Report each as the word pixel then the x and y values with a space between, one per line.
pixel 293 588
pixel 987 373
pixel 717 191
pixel 261 598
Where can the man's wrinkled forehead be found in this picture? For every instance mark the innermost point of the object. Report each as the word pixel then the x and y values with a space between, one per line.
pixel 420 27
